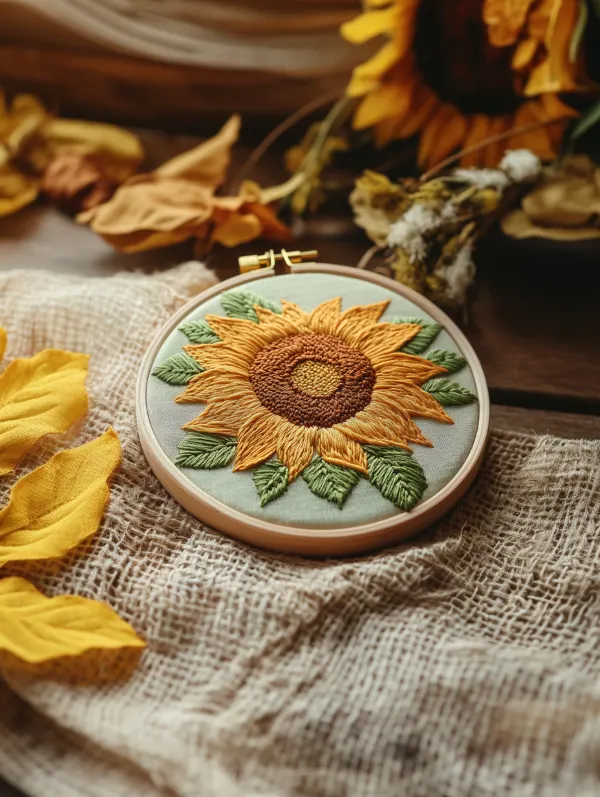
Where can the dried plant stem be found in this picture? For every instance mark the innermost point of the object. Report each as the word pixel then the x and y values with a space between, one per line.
pixel 484 143
pixel 261 150
pixel 368 256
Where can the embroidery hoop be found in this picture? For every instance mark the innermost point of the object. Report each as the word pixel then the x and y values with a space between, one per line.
pixel 337 541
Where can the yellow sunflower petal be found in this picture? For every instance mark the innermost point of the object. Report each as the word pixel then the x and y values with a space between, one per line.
pixel 366 77
pixel 42 395
pixel 390 100
pixel 324 318
pixel 537 140
pixel 478 130
pixel 366 26
pixel 336 448
pixel 257 439
pixel 226 416
pixel 524 54
pixel 424 104
pixel 3 339
pixel 442 134
pixel 492 154
pixel 214 385
pixel 505 20
pixel 222 355
pixel 58 505
pixel 295 448
pixel 352 322
pixel 37 629
pixel 383 339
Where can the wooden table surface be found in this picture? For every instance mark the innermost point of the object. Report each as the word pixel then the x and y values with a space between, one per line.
pixel 534 316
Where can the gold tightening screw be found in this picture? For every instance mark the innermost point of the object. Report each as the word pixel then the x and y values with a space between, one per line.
pixel 280 262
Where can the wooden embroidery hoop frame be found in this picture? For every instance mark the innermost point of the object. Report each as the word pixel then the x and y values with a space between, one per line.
pixel 311 541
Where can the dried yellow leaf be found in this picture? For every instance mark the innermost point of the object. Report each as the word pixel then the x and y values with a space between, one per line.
pixel 16 190
pixel 208 162
pixel 37 629
pixel 60 504
pixel 117 152
pixel 42 395
pixel 177 201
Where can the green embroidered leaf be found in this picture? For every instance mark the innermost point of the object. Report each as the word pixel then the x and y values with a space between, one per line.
pixel 424 337
pixel 396 474
pixel 205 451
pixel 270 480
pixel 177 369
pixel 451 394
pixel 330 481
pixel 240 304
pixel 199 332
pixel 447 359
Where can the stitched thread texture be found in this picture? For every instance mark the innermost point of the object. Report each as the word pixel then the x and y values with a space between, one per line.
pixel 330 394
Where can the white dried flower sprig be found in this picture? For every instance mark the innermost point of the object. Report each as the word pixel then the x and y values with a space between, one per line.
pixel 410 230
pixel 520 165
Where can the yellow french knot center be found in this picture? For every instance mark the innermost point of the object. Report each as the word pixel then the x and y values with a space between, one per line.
pixel 315 378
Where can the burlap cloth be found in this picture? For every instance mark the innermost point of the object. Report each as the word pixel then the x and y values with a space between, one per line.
pixel 464 663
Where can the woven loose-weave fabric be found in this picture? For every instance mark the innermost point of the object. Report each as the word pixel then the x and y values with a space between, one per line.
pixel 465 662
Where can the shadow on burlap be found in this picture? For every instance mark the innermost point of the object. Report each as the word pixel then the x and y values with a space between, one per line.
pixel 464 663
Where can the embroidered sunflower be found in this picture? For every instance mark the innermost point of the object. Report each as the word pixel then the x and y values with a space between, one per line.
pixel 328 393
pixel 461 72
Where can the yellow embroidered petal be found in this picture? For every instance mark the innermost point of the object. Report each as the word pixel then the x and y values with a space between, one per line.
pixel 257 439
pixel 276 325
pixel 38 396
pixel 420 403
pixel 324 318
pixel 336 448
pixel 295 448
pixel 352 322
pixel 222 355
pixel 399 366
pixel 297 316
pixel 238 330
pixel 214 385
pixel 370 427
pixel 3 339
pixel 226 416
pixel 56 506
pixel 391 405
pixel 36 629
pixel 383 339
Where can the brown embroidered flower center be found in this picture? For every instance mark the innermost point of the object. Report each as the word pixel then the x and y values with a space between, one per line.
pixel 312 379
pixel 316 378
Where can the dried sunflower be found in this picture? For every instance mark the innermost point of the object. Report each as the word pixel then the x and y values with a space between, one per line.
pixel 459 73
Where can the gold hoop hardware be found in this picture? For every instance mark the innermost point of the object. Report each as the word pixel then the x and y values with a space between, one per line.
pixel 280 263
